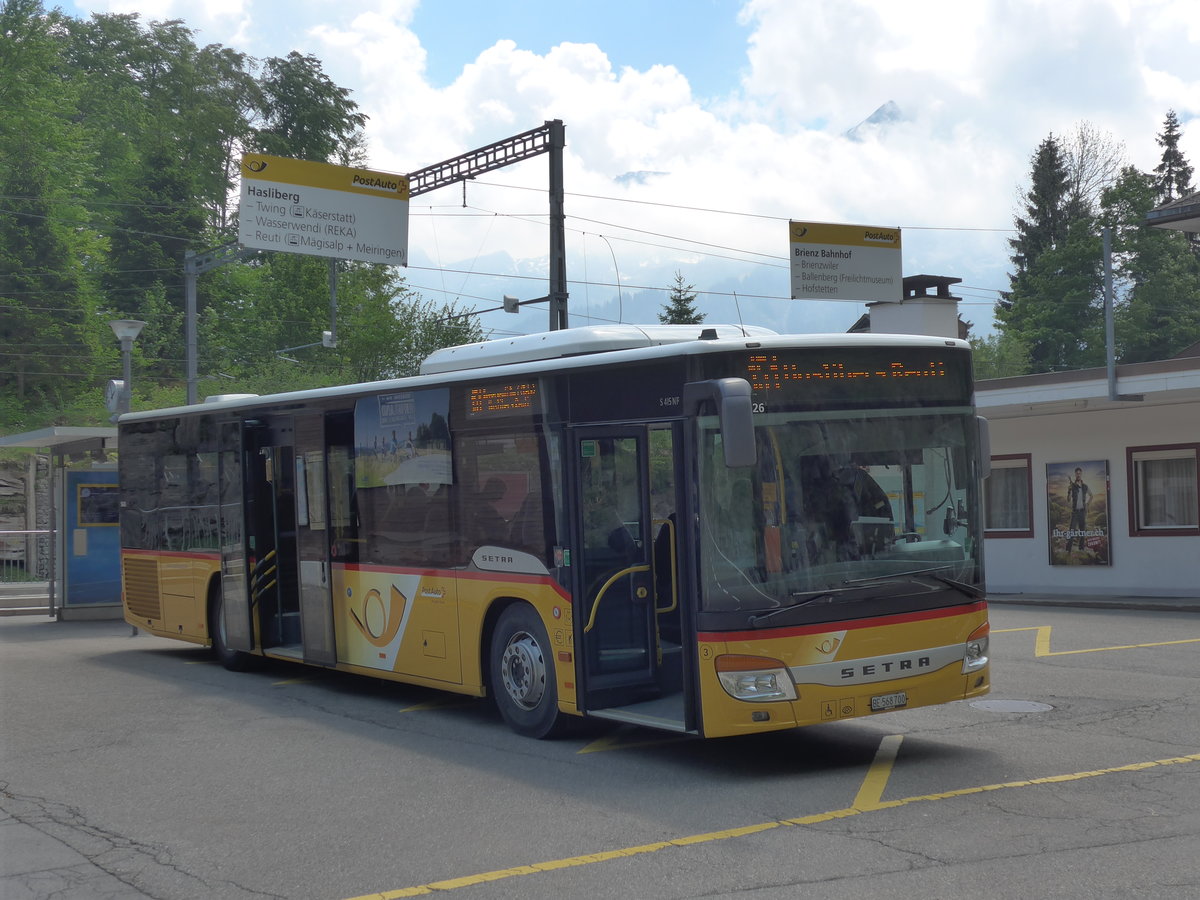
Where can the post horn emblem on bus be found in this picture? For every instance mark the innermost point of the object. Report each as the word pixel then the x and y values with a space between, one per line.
pixel 379 621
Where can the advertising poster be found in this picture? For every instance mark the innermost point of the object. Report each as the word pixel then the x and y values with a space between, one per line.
pixel 1077 503
pixel 403 438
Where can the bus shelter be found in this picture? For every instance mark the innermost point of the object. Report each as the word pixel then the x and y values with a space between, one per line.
pixel 85 547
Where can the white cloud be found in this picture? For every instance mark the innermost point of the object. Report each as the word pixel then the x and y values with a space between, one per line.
pixel 979 85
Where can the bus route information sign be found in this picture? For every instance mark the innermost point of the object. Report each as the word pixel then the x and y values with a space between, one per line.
pixel 320 209
pixel 845 262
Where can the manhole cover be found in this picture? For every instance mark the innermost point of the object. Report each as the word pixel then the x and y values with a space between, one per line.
pixel 1011 706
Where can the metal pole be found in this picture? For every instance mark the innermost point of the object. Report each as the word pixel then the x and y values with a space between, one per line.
pixel 54 536
pixel 127 371
pixel 558 238
pixel 189 289
pixel 1110 353
pixel 333 280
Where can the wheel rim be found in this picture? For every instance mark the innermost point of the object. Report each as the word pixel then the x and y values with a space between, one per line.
pixel 523 670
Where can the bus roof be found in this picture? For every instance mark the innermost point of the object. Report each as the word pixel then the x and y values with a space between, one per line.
pixel 572 348
pixel 577 342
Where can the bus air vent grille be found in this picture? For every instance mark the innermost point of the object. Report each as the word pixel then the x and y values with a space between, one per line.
pixel 141 588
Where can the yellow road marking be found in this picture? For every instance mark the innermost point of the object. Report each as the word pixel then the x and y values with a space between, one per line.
pixel 615 741
pixel 879 773
pixel 1042 647
pixel 436 704
pixel 883 758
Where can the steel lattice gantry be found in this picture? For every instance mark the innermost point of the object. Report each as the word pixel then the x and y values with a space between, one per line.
pixel 549 138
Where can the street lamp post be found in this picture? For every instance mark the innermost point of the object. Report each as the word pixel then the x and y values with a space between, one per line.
pixel 126 331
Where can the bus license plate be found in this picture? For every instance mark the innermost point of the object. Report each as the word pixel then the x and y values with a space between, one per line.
pixel 889 701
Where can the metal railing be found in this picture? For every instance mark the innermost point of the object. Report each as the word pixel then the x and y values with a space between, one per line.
pixel 24 556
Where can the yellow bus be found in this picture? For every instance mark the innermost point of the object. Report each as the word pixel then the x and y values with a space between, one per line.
pixel 708 530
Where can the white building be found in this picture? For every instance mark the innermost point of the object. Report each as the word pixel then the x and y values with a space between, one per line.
pixel 1140 460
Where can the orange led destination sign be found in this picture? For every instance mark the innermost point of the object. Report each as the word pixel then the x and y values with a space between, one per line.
pixel 502 397
pixel 767 372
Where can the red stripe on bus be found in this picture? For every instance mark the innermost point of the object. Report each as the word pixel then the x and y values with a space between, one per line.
pixel 923 615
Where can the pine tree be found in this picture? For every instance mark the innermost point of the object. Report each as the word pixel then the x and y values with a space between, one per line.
pixel 1046 207
pixel 1156 275
pixel 1173 175
pixel 1053 307
pixel 680 308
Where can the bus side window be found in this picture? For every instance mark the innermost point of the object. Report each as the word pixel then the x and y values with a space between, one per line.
pixel 500 502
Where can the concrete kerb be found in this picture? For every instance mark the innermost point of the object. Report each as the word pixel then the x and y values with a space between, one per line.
pixel 1098 601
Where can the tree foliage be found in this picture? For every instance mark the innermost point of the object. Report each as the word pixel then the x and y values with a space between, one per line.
pixel 119 147
pixel 1156 274
pixel 680 308
pixel 1052 316
pixel 1172 175
pixel 1054 302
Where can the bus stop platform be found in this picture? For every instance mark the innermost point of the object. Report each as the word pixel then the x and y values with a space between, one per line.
pixel 29 598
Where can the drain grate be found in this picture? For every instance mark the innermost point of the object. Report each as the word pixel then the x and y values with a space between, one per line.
pixel 1011 706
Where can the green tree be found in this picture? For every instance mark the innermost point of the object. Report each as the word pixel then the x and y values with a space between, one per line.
pixel 51 337
pixel 1054 306
pixel 1173 175
pixel 1156 274
pixel 303 114
pixel 999 356
pixel 1048 207
pixel 680 308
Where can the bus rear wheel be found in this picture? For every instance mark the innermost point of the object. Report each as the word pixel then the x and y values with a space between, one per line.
pixel 234 660
pixel 522 673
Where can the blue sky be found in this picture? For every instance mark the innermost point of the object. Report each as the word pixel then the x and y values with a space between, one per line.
pixel 701 38
pixel 695 130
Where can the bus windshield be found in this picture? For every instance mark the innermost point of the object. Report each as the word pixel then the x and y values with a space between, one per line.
pixel 840 504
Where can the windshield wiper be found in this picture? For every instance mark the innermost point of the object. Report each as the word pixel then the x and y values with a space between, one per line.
pixel 856 586
pixel 969 589
pixel 829 595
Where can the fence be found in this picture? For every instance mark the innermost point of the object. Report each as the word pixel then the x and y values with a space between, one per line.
pixel 24 556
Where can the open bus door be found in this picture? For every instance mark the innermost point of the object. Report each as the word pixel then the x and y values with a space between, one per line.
pixel 286 523
pixel 628 621
pixel 235 623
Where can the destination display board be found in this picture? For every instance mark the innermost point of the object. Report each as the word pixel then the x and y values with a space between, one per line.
pixel 501 398
pixel 858 378
pixel 318 209
pixel 845 262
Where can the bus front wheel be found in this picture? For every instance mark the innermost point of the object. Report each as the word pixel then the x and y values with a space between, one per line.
pixel 234 660
pixel 522 670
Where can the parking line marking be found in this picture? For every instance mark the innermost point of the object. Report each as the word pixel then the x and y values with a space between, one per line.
pixel 587 859
pixel 435 704
pixel 624 738
pixel 1042 647
pixel 871 791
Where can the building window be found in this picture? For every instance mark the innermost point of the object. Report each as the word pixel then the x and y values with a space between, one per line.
pixel 1164 490
pixel 1008 497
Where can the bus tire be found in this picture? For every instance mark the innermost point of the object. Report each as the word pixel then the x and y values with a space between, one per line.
pixel 233 660
pixel 522 673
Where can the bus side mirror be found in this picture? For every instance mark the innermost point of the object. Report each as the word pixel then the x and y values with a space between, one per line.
pixel 735 412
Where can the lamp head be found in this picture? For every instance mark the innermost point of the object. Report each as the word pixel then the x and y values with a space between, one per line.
pixel 127 329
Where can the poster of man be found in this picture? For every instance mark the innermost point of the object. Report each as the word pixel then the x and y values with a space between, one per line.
pixel 1077 502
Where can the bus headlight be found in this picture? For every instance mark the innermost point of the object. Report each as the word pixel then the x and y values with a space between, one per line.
pixel 755 678
pixel 975 655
